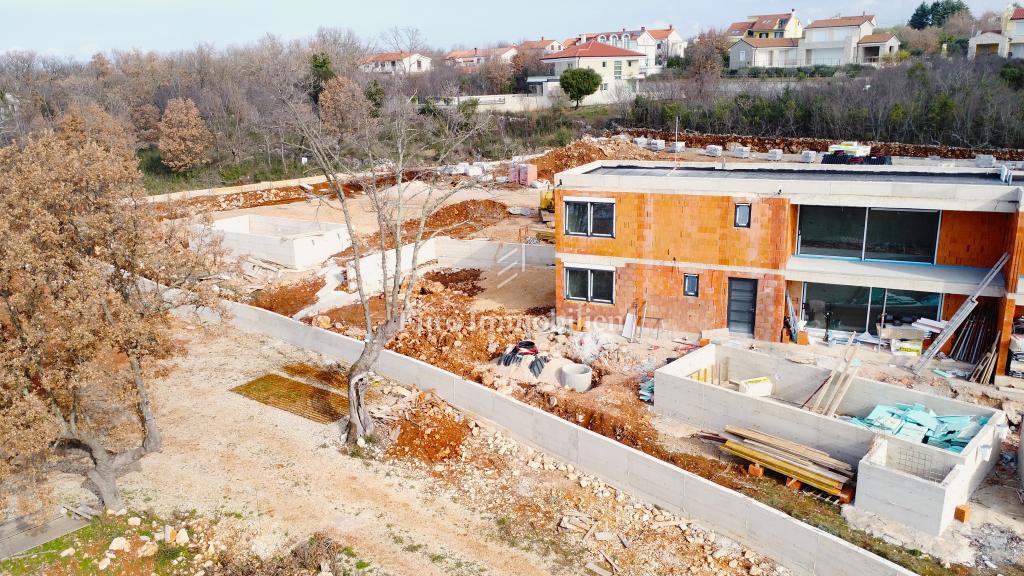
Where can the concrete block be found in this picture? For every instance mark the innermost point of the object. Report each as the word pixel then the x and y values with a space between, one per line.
pixel 656 481
pixel 557 436
pixel 600 456
pixel 476 399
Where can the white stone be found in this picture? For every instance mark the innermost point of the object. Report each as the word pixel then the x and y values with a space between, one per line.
pixel 148 549
pixel 67 552
pixel 103 564
pixel 181 538
pixel 135 521
pixel 118 544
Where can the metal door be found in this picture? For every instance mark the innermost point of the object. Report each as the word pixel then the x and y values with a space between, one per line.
pixel 742 309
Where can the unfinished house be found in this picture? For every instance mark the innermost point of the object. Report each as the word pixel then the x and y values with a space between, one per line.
pixel 837 249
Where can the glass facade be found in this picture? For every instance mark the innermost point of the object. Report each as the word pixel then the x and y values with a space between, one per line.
pixel 869 234
pixel 858 309
pixel 832 231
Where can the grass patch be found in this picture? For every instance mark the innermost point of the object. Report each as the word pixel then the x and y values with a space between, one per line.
pixel 158 179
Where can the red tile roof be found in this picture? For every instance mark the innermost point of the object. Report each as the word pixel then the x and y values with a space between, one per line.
pixel 592 49
pixel 1018 14
pixel 739 28
pixel 768 21
pixel 876 39
pixel 662 33
pixel 386 57
pixel 536 44
pixel 478 53
pixel 772 42
pixel 841 21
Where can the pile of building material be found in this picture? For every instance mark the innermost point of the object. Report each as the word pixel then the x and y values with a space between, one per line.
pixel 916 423
pixel 802 464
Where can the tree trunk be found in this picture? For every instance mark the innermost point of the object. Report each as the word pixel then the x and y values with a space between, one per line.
pixel 153 440
pixel 359 422
pixel 104 477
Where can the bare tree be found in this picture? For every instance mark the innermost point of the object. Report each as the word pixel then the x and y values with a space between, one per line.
pixel 389 153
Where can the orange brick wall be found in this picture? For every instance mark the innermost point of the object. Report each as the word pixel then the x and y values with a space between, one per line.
pixel 975 239
pixel 661 287
pixel 686 228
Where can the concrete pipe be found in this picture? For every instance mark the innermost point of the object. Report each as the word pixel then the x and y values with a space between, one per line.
pixel 577 376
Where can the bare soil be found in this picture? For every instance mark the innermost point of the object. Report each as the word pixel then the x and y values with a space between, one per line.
pixel 288 299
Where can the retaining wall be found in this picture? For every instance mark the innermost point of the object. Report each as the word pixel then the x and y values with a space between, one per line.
pixel 298 244
pixel 225 190
pixel 805 550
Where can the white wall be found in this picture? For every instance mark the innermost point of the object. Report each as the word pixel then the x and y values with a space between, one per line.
pixel 712 407
pixel 805 550
pixel 298 244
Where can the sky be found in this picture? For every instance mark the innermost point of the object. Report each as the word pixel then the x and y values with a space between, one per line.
pixel 80 28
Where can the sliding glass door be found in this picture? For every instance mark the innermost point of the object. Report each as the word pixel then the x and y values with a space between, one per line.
pixel 858 309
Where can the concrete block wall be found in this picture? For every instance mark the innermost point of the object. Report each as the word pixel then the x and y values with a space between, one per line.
pixel 903 472
pixel 297 244
pixel 489 254
pixel 805 550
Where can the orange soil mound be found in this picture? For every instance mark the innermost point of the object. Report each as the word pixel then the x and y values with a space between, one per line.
pixel 429 431
pixel 288 299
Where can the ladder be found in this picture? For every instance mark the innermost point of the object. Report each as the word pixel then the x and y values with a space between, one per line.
pixel 961 315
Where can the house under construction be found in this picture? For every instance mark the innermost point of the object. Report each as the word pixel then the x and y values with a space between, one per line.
pixel 753 247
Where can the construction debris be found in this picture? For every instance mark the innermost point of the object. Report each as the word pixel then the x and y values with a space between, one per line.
pixel 796 461
pixel 917 423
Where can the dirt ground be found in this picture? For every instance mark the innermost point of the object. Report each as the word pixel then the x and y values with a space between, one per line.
pixel 523 289
pixel 483 505
pixel 364 219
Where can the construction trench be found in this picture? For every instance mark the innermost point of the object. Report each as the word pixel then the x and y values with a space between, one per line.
pixel 861 457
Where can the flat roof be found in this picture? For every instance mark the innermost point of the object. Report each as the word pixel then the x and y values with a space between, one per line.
pixel 942 187
pixel 828 172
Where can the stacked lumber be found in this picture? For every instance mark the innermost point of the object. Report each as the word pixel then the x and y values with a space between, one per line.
pixel 802 463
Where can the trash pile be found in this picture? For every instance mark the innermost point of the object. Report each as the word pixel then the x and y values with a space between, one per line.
pixel 515 353
pixel 916 423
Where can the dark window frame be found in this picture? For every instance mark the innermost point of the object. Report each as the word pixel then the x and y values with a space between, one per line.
pixel 589 233
pixel 736 215
pixel 590 285
pixel 696 286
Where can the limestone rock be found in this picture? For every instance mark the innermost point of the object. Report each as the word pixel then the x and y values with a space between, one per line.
pixel 118 544
pixel 148 549
pixel 322 322
pixel 181 538
pixel 135 521
pixel 67 552
pixel 103 564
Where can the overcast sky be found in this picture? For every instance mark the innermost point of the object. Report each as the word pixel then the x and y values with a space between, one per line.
pixel 80 28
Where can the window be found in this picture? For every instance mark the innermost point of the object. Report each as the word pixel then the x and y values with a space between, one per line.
pixel 831 231
pixel 858 308
pixel 690 285
pixel 590 285
pixel 604 86
pixel 590 218
pixel 604 64
pixel 869 234
pixel 741 218
pixel 743 55
pixel 901 235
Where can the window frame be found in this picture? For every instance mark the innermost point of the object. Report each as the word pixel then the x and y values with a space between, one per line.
pixel 590 283
pixel 590 202
pixel 864 236
pixel 695 293
pixel 736 214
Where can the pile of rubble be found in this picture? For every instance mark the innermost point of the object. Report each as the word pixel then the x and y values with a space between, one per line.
pixel 585 151
pixel 429 430
pixel 543 503
pixel 797 145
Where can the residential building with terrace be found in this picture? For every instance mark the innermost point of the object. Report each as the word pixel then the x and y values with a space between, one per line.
pixel 826 42
pixel 396 63
pixel 1007 41
pixel 619 68
pixel 656 45
pixel 766 26
pixel 478 56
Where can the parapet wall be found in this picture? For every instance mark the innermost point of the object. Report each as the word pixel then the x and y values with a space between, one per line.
pixel 804 549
